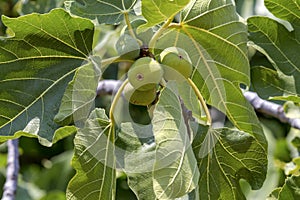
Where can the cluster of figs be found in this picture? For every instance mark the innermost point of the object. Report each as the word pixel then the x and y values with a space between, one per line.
pixel 146 74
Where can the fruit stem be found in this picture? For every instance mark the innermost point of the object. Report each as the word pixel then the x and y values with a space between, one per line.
pixel 159 32
pixel 114 103
pixel 131 32
pixel 201 99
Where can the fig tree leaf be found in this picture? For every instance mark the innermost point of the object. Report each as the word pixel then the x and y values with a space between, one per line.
pixel 284 9
pixel 217 48
pixel 233 155
pixel 135 154
pixel 290 189
pixel 94 160
pixel 218 18
pixel 37 62
pixel 280 45
pixel 175 171
pixel 80 94
pixel 269 83
pixel 157 11
pixel 105 11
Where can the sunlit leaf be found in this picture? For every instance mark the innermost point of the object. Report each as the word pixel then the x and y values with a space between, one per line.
pixel 284 9
pixel 94 160
pixel 37 61
pixel 105 11
pixel 235 155
pixel 175 172
pixel 157 11
pixel 80 94
pixel 217 48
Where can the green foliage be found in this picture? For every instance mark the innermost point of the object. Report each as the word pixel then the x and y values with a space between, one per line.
pixel 94 160
pixel 163 141
pixel 105 11
pixel 37 63
pixel 290 190
pixel 278 44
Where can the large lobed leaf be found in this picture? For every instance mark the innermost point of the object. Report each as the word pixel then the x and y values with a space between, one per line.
pixel 94 160
pixel 235 155
pixel 279 45
pixel 105 11
pixel 175 171
pixel 37 61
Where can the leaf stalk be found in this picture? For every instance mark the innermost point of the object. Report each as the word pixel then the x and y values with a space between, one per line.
pixel 160 31
pixel 114 103
pixel 202 101
pixel 130 29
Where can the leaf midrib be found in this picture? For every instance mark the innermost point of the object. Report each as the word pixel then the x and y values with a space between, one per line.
pixel 39 97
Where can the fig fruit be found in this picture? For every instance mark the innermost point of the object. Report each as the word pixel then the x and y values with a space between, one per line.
pixel 137 97
pixel 176 63
pixel 145 74
pixel 128 47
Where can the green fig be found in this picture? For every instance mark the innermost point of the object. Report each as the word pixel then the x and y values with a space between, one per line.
pixel 176 63
pixel 137 97
pixel 145 74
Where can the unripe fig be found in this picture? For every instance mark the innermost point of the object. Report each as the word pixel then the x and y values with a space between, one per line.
pixel 128 47
pixel 145 74
pixel 176 60
pixel 137 97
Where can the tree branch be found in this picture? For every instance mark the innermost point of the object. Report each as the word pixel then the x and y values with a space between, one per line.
pixel 10 186
pixel 260 105
pixel 271 109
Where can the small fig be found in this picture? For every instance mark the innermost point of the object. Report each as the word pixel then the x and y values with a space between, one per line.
pixel 176 63
pixel 145 74
pixel 137 97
